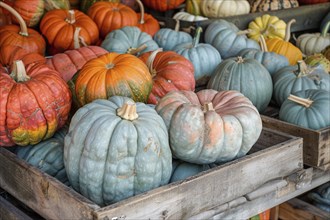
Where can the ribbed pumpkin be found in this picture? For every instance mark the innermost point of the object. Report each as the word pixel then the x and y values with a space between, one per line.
pixel 224 8
pixel 272 5
pixel 247 76
pixel 185 16
pixel 129 40
pixel 71 61
pixel 270 60
pixel 170 71
pixel 193 7
pixel 86 4
pixel 209 126
pixel 307 108
pixel 168 38
pixel 116 149
pixel 47 155
pixel 110 16
pixel 227 38
pixel 61 28
pixel 34 103
pixel 203 56
pixel 21 36
pixel 161 5
pixel 147 23
pixel 269 26
pixel 299 77
pixel 284 47
pixel 318 59
pixel 113 74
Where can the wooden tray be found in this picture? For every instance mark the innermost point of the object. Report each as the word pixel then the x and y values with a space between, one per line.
pixel 275 155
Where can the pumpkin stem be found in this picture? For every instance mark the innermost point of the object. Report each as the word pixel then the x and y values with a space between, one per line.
pixel 135 51
pixel 325 29
pixel 302 68
pixel 71 19
pixel 304 102
pixel 288 30
pixel 76 38
pixel 141 11
pixel 151 60
pixel 197 36
pixel 128 111
pixel 263 44
pixel 19 73
pixel 247 31
pixel 208 107
pixel 240 59
pixel 22 24
pixel 177 25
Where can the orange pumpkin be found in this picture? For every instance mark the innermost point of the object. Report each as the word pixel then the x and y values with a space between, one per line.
pixel 21 36
pixel 161 5
pixel 147 23
pixel 59 26
pixel 110 16
pixel 113 74
pixel 284 47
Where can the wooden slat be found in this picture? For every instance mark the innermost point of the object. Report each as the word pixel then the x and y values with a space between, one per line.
pixel 9 212
pixel 41 192
pixel 211 188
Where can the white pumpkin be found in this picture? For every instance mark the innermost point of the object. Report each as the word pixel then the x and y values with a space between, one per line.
pixel 224 8
pixel 185 16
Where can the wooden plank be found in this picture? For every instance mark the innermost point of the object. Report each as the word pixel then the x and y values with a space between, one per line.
pixel 217 186
pixel 316 142
pixel 9 212
pixel 41 192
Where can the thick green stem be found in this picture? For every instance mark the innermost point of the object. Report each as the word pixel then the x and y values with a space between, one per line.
pixel 197 36
pixel 22 24
pixel 325 29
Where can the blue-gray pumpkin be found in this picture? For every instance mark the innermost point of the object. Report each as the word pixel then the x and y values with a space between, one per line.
pixel 204 57
pixel 291 79
pixel 247 76
pixel 116 149
pixel 129 39
pixel 227 38
pixel 47 155
pixel 307 108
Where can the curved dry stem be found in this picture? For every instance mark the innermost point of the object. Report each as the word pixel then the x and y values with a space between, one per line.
pixel 22 24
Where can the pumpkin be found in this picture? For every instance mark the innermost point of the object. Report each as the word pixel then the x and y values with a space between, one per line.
pixel 320 197
pixel 227 38
pixel 110 16
pixel 291 79
pixel 128 155
pixel 244 75
pixel 9 54
pixel 86 4
pixel 193 7
pixel 21 35
pixel 61 28
pixel 47 156
pixel 284 47
pixel 272 5
pixel 224 8
pixel 4 20
pixel 161 5
pixel 270 60
pixel 203 56
pixel 168 38
pixel 113 74
pixel 269 26
pixel 147 23
pixel 307 108
pixel 318 59
pixel 71 61
pixel 209 126
pixel 169 71
pixel 311 2
pixel 129 40
pixel 31 11
pixel 56 4
pixel 311 43
pixel 185 16
pixel 34 103
pixel 326 52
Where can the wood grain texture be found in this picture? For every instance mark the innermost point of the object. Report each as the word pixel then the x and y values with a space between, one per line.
pixel 9 212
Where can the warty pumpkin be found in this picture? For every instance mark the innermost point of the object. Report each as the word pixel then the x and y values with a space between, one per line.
pixel 35 102
pixel 113 74
pixel 209 126
pixel 161 5
pixel 116 149
pixel 224 8
pixel 21 35
pixel 170 71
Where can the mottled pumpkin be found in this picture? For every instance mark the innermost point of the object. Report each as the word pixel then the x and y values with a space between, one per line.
pixel 113 74
pixel 209 126
pixel 34 103
pixel 318 59
pixel 116 149
pixel 272 5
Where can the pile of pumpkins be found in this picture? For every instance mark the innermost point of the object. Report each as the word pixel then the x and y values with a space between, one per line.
pixel 118 106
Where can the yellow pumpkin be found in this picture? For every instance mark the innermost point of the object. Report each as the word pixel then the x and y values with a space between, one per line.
pixel 268 26
pixel 193 7
pixel 284 47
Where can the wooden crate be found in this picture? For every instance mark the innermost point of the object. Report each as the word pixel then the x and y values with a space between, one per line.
pixel 275 155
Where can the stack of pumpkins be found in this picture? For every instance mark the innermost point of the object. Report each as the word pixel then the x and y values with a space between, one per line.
pixel 106 105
